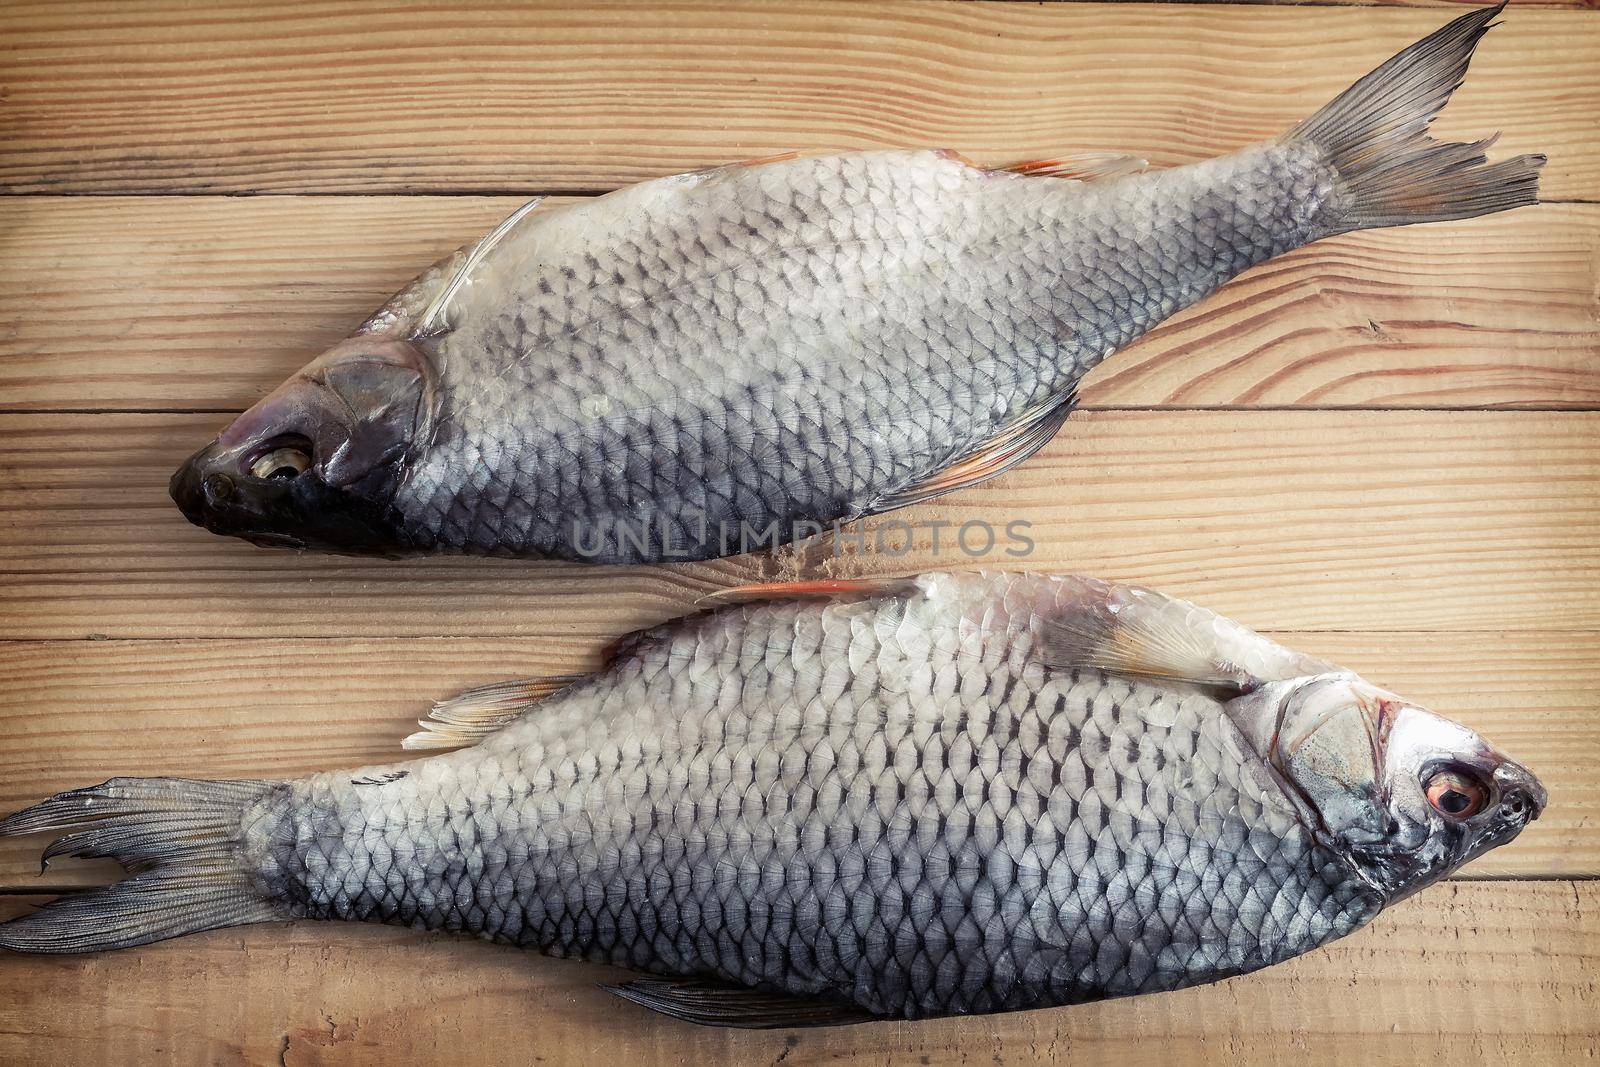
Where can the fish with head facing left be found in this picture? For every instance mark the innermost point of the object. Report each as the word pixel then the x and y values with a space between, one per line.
pixel 653 374
pixel 844 801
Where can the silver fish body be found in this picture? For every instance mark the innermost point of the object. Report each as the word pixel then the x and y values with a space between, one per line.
pixel 706 363
pixel 761 347
pixel 957 794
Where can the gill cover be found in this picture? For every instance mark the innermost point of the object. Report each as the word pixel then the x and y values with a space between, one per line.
pixel 1329 745
pixel 344 425
pixel 1362 764
pixel 361 404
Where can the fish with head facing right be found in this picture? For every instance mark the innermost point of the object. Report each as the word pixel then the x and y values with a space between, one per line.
pixel 845 801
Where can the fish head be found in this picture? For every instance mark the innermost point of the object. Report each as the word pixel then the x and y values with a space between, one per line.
pixel 315 464
pixel 1404 795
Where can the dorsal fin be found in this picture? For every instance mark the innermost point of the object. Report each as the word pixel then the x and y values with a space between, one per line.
pixel 432 319
pixel 1126 629
pixel 469 717
pixel 1013 444
pixel 1082 167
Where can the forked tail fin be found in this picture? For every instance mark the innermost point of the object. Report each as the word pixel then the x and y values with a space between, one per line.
pixel 183 844
pixel 1388 171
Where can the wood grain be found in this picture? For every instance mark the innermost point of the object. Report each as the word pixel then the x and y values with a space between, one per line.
pixel 162 303
pixel 1448 554
pixel 1463 972
pixel 1511 5
pixel 334 95
pixel 1338 520
pixel 78 712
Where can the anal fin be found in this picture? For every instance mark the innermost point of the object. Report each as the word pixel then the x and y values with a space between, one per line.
pixel 469 717
pixel 708 1003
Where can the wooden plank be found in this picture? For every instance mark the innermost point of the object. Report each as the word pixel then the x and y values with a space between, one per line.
pixel 78 712
pixel 1336 520
pixel 1512 5
pixel 1465 972
pixel 164 303
pixel 331 95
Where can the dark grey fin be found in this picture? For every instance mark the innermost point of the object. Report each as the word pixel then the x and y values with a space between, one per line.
pixel 1389 171
pixel 707 1003
pixel 179 840
pixel 1126 629
pixel 469 717
pixel 1015 443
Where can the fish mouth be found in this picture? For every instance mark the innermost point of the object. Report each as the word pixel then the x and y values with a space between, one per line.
pixel 1520 791
pixel 1520 799
pixel 215 491
pixel 214 501
pixel 187 489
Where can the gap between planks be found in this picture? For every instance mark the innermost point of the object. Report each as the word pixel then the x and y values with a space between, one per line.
pixel 207 306
pixel 565 98
pixel 1308 520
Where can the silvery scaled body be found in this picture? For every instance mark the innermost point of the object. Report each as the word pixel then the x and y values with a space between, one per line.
pixel 954 794
pixel 707 363
pixel 713 354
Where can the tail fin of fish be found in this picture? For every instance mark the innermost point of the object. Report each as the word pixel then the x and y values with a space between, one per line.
pixel 1389 171
pixel 181 841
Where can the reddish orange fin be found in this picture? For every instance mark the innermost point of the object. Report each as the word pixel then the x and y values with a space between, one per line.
pixel 1083 167
pixel 777 157
pixel 1020 439
pixel 951 153
pixel 820 587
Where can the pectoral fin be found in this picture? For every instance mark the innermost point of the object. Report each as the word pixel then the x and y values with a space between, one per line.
pixel 714 1004
pixel 1016 441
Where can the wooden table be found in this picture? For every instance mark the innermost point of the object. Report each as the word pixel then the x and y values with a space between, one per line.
pixel 1382 449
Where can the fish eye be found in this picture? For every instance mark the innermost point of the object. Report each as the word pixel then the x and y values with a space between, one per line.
pixel 281 463
pixel 1456 792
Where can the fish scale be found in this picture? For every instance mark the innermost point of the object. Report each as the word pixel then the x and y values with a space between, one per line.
pixel 939 825
pixel 934 287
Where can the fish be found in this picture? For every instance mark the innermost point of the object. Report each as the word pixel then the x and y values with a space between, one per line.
pixel 838 801
pixel 735 359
